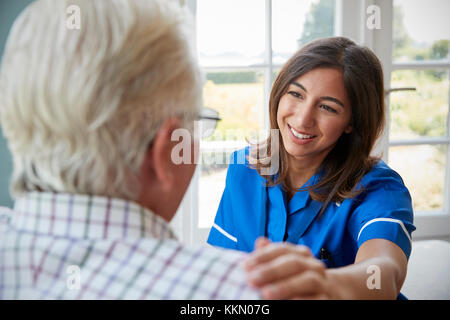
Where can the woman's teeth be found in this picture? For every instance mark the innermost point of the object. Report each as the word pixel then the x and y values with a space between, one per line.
pixel 301 136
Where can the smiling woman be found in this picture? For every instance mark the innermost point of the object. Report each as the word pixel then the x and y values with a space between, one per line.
pixel 350 79
pixel 330 195
pixel 311 121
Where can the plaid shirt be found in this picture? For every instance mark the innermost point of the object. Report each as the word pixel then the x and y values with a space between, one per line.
pixel 65 246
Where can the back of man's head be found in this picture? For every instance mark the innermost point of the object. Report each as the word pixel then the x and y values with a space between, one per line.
pixel 80 100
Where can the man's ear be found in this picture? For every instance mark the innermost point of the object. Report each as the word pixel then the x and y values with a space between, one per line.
pixel 157 163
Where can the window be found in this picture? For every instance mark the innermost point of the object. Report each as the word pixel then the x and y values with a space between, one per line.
pixel 418 131
pixel 241 46
pixel 419 119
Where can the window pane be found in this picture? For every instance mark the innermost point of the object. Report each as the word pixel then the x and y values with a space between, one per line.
pixel 423 171
pixel 422 112
pixel 211 186
pixel 420 30
pixel 230 32
pixel 295 23
pixel 239 99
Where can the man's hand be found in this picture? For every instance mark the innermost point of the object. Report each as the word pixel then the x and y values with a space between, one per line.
pixel 286 271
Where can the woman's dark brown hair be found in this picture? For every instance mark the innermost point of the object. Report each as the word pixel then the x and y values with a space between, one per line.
pixel 350 159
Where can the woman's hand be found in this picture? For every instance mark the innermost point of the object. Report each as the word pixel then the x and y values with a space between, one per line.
pixel 286 271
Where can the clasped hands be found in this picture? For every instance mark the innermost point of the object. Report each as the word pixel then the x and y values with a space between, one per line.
pixel 286 271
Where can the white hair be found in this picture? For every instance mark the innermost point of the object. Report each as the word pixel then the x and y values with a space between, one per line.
pixel 79 107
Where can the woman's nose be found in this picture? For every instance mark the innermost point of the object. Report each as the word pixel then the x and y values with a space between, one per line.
pixel 305 116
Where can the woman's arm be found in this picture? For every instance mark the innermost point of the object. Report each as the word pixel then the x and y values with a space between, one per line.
pixel 378 272
pixel 287 271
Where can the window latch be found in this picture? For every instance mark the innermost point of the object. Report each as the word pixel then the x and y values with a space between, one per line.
pixel 390 90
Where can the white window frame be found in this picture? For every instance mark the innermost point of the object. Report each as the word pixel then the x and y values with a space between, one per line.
pixel 186 220
pixel 430 224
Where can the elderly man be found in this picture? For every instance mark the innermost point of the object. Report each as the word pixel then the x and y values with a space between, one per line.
pixel 88 111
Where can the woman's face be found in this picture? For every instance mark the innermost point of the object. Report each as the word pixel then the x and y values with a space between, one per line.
pixel 313 113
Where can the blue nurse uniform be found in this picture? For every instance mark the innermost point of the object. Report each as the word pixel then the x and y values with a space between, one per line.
pixel 248 210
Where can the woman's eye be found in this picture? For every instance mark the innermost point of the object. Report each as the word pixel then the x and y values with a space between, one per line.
pixel 328 108
pixel 295 94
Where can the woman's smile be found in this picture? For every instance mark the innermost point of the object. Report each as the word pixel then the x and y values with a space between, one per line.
pixel 301 137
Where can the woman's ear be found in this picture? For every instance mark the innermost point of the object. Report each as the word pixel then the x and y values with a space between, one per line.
pixel 348 129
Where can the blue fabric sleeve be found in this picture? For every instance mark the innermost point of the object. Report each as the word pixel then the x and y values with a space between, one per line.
pixel 221 233
pixel 383 212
